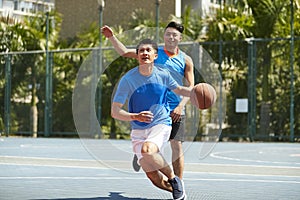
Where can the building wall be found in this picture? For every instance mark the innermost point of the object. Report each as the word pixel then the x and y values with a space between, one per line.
pixel 19 9
pixel 79 14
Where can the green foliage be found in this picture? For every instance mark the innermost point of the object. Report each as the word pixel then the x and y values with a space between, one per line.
pixel 193 24
pixel 141 18
pixel 111 77
pixel 229 24
pixel 264 19
pixel 229 27
pixel 27 69
pixel 266 14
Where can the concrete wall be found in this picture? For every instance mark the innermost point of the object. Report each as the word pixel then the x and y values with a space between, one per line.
pixel 79 14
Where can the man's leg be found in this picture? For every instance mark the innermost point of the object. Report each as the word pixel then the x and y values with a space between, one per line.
pixel 159 172
pixel 149 152
pixel 177 158
pixel 176 139
pixel 153 161
pixel 157 178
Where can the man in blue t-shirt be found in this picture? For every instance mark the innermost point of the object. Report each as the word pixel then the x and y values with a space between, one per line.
pixel 145 88
pixel 181 68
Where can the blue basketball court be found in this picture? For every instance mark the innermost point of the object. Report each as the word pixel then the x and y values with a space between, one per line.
pixel 65 169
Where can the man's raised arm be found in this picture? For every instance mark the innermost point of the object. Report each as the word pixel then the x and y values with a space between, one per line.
pixel 119 46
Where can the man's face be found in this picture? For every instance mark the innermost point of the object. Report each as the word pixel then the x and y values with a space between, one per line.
pixel 172 37
pixel 146 54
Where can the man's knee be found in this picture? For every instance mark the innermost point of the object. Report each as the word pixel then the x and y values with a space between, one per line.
pixel 149 148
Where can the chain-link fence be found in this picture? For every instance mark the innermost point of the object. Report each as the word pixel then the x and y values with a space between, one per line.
pixel 261 81
pixel 256 81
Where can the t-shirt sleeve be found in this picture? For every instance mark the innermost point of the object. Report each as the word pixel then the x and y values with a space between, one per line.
pixel 122 91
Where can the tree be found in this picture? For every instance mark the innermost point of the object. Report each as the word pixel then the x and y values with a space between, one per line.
pixel 27 35
pixel 226 31
pixel 260 23
pixel 193 23
pixel 266 14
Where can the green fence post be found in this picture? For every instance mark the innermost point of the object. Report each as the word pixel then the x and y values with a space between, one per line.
pixel 220 63
pixel 47 90
pixel 94 96
pixel 7 94
pixel 198 63
pixel 157 3
pixel 251 88
pixel 99 71
pixel 254 73
pixel 292 74
pixel 50 103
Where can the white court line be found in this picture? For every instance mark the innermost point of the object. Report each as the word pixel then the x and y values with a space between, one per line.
pixel 241 174
pixel 58 166
pixel 103 162
pixel 50 158
pixel 186 172
pixel 245 165
pixel 130 171
pixel 94 164
pixel 83 163
pixel 144 178
pixel 215 155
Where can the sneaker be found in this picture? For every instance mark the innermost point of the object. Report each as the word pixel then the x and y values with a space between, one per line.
pixel 178 192
pixel 135 163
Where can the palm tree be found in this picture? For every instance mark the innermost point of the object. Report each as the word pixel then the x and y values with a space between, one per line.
pixel 266 14
pixel 27 35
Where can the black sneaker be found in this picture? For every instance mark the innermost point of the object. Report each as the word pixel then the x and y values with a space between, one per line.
pixel 178 192
pixel 135 164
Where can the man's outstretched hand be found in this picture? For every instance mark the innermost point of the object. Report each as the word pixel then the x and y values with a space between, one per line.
pixel 107 31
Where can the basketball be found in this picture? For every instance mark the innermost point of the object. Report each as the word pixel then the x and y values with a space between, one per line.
pixel 203 96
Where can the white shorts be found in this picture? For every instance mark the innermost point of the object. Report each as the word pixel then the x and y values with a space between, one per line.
pixel 158 134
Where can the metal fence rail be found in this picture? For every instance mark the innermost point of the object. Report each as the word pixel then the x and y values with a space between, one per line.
pixel 257 70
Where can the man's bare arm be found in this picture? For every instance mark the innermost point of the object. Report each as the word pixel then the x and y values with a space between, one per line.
pixel 118 113
pixel 118 46
pixel 189 82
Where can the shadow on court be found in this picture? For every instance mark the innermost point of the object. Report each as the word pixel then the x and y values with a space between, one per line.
pixel 112 196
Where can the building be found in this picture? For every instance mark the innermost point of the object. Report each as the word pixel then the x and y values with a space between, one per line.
pixel 19 8
pixel 78 15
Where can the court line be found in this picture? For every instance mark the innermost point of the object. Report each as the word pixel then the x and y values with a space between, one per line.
pixel 187 172
pixel 100 163
pixel 246 165
pixel 144 178
pixel 241 174
pixel 48 158
pixel 130 171
pixel 214 155
pixel 60 162
pixel 188 163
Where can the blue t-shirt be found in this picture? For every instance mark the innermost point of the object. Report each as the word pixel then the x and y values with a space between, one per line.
pixel 176 66
pixel 146 93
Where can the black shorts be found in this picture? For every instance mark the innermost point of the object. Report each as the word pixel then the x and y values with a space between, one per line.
pixel 178 129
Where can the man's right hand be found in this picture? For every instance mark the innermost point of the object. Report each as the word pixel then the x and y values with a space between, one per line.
pixel 107 31
pixel 144 116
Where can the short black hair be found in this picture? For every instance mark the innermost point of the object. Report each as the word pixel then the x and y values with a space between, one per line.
pixel 147 41
pixel 179 27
